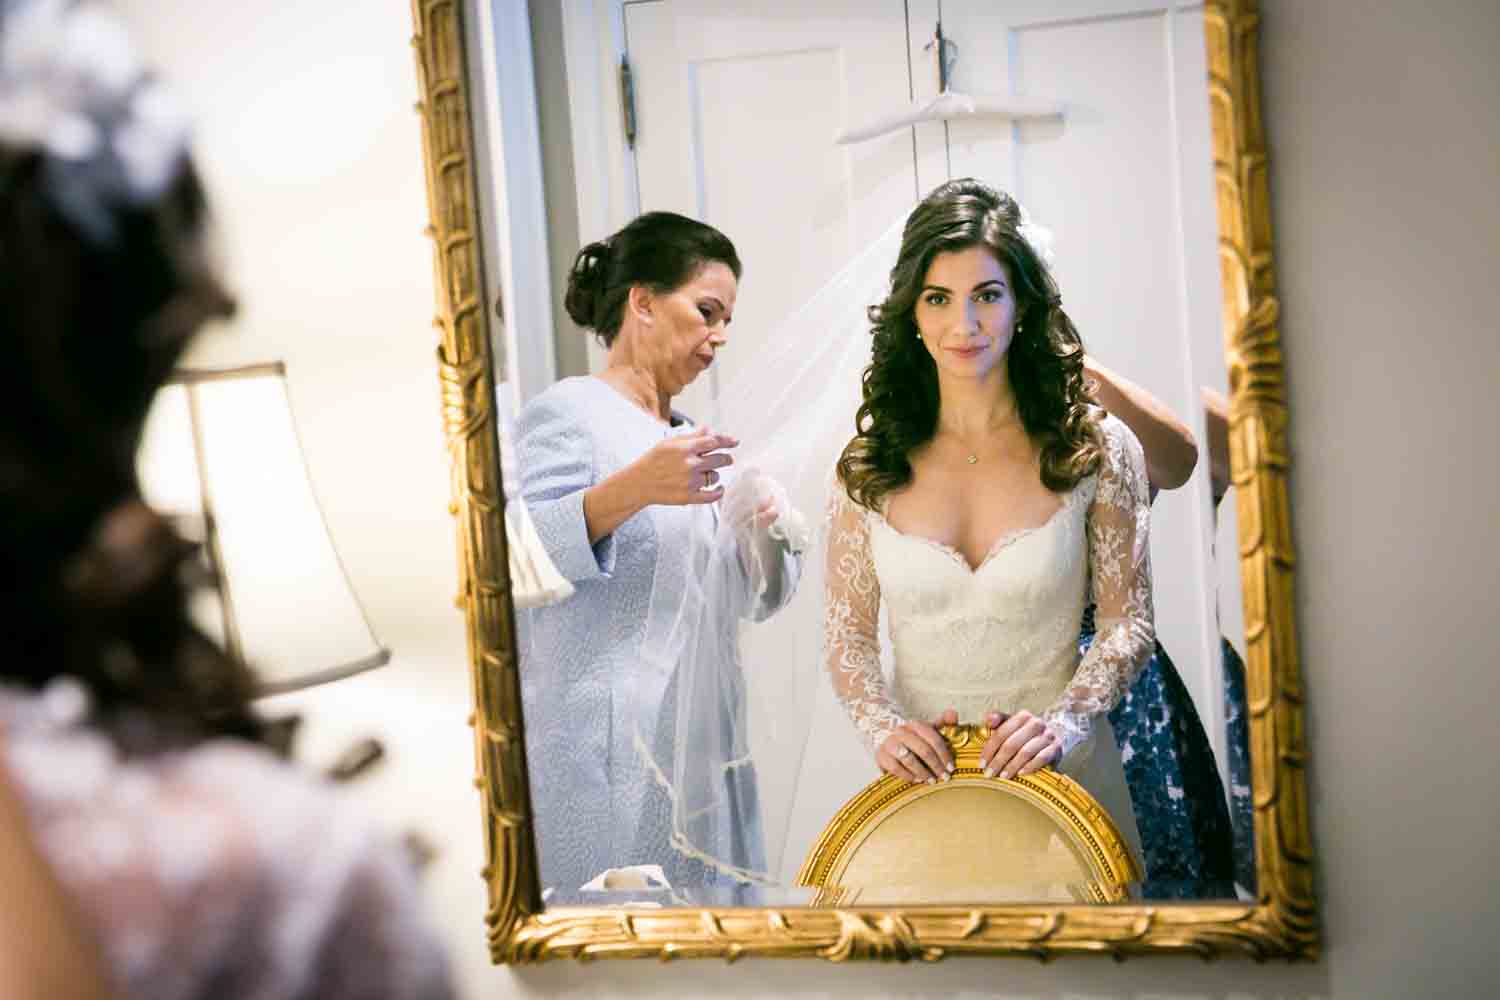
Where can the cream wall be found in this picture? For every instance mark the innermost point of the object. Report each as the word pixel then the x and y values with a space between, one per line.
pixel 310 146
pixel 1385 155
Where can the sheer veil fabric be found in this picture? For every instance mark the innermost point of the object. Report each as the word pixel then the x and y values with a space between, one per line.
pixel 743 638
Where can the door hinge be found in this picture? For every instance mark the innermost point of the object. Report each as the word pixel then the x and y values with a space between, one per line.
pixel 627 101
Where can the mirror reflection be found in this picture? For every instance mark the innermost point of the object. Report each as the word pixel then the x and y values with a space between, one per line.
pixel 879 546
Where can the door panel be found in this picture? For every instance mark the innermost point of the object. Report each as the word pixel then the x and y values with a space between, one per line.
pixel 736 117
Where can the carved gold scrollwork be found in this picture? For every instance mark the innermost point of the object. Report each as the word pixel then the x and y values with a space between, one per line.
pixel 1259 460
pixel 465 364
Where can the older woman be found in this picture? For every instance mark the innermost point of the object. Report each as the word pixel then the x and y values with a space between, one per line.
pixel 620 484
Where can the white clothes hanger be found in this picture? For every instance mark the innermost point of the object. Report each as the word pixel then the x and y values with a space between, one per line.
pixel 951 104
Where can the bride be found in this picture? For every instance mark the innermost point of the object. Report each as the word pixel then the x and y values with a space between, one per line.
pixel 986 503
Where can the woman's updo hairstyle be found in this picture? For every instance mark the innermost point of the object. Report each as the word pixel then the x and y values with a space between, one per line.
pixel 661 251
pixel 94 578
pixel 105 278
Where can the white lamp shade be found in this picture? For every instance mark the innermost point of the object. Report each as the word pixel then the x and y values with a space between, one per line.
pixel 221 449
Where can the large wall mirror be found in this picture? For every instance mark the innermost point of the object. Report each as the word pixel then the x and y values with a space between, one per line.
pixel 712 676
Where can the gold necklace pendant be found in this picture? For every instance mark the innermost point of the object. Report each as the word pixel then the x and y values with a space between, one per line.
pixel 973 459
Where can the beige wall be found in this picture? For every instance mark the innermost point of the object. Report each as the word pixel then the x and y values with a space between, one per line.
pixel 310 146
pixel 1385 146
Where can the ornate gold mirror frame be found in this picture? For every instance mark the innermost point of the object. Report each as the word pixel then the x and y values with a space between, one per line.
pixel 1283 920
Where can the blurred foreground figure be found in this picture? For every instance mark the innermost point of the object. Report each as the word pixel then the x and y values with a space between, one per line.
pixel 200 864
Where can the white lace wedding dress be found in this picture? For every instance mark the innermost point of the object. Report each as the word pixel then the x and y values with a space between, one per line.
pixel 1002 636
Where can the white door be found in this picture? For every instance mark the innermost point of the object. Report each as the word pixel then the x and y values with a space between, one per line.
pixel 736 108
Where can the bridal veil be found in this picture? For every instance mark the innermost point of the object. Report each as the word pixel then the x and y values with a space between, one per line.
pixel 747 656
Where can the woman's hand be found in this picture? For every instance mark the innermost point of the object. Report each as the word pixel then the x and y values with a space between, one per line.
pixel 684 469
pixel 916 752
pixel 754 504
pixel 765 515
pixel 1018 744
pixel 758 507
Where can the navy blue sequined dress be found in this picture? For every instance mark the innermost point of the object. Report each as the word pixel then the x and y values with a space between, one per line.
pixel 1186 834
pixel 1241 808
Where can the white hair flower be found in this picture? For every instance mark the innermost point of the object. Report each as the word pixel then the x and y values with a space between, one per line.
pixel 73 88
pixel 1037 236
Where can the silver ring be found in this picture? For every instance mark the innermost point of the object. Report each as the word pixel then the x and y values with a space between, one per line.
pixel 903 752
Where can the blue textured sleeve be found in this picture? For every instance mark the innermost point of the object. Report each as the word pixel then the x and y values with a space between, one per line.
pixel 555 452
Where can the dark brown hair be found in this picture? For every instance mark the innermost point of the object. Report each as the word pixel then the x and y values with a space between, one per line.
pixel 1044 362
pixel 659 250
pixel 92 323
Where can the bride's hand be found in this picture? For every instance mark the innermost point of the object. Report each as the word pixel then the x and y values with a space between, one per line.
pixel 1018 744
pixel 916 752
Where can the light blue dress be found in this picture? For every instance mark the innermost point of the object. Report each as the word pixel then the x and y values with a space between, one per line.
pixel 585 688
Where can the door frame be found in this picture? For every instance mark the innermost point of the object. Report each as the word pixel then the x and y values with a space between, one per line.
pixel 604 171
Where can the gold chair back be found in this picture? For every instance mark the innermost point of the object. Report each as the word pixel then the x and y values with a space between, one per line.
pixel 972 839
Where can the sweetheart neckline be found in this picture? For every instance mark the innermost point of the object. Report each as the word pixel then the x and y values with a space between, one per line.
pixel 1006 539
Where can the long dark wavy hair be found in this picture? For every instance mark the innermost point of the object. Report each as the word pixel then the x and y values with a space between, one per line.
pixel 92 322
pixel 1045 360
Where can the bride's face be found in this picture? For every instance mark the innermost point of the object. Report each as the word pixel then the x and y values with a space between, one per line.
pixel 690 323
pixel 966 312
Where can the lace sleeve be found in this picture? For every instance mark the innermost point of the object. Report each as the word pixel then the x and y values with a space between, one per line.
pixel 377 942
pixel 851 622
pixel 1120 574
pixel 217 870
